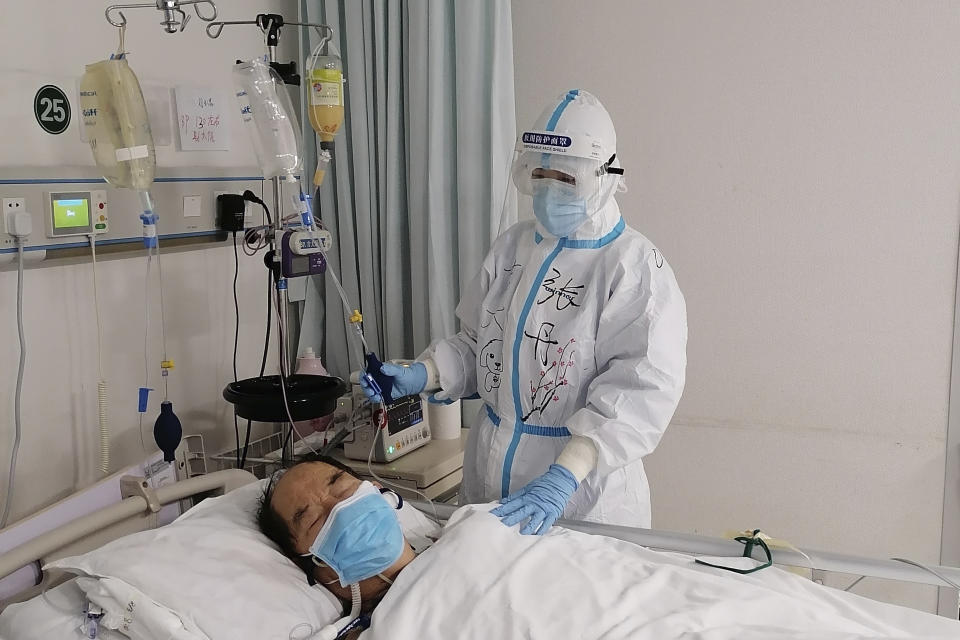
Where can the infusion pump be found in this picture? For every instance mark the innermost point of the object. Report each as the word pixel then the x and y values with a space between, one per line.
pixel 407 428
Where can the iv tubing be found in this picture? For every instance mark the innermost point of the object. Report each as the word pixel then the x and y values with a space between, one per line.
pixel 163 322
pixel 283 379
pixel 146 334
pixel 101 382
pixel 346 307
pixel 20 370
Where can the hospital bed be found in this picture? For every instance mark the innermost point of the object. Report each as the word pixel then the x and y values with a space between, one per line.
pixel 138 509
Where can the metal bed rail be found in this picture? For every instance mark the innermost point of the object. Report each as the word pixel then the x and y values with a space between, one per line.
pixel 707 546
pixel 149 501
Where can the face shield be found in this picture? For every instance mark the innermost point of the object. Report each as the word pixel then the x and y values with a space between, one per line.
pixel 562 180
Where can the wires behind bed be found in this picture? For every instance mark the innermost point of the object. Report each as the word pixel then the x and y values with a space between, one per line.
pixel 378 433
pixel 19 393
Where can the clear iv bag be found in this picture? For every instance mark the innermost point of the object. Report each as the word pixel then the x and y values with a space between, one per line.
pixel 116 124
pixel 268 115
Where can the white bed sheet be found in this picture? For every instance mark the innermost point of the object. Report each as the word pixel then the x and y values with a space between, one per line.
pixel 483 580
pixel 48 618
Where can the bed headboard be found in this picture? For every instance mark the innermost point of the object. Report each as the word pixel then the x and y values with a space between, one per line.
pixel 137 510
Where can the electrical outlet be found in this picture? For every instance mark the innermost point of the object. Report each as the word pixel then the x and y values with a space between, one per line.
pixel 11 207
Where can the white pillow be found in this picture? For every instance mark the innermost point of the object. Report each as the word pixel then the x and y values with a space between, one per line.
pixel 216 571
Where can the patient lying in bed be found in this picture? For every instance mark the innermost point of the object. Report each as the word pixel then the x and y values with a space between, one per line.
pixel 295 506
pixel 483 580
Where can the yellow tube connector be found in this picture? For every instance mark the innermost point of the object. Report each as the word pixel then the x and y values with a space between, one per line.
pixel 356 317
pixel 166 364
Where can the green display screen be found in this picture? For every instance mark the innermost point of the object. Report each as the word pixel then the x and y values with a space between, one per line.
pixel 69 214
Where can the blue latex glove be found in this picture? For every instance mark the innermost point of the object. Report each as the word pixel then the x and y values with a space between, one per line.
pixel 542 501
pixel 406 381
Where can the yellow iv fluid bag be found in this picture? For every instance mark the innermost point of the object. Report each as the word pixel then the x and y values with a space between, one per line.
pixel 268 115
pixel 325 108
pixel 116 124
pixel 324 104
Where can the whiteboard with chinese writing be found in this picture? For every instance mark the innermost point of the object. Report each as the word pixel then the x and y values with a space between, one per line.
pixel 200 118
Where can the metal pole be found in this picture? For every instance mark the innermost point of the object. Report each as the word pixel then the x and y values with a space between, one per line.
pixel 707 546
pixel 283 312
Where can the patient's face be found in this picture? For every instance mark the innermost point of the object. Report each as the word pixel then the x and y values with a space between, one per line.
pixel 306 494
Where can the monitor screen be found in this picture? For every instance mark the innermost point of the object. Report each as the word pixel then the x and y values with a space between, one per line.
pixel 71 213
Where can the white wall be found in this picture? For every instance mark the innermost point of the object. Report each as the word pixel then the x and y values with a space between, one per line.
pixel 797 164
pixel 55 38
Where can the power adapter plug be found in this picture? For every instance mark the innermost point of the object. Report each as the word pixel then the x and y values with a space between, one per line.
pixel 230 210
pixel 21 225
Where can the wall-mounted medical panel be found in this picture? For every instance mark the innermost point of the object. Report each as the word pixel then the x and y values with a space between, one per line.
pixel 67 206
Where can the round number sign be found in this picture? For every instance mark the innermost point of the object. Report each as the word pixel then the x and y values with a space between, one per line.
pixel 52 109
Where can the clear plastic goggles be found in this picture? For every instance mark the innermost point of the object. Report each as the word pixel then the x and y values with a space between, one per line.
pixel 572 178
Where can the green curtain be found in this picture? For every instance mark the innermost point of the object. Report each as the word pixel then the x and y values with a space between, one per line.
pixel 415 194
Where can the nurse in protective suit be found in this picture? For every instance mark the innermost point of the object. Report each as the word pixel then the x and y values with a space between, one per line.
pixel 574 335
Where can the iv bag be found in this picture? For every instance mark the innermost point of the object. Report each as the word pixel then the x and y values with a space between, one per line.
pixel 268 115
pixel 325 105
pixel 116 124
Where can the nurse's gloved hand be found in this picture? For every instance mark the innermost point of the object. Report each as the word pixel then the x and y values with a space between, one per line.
pixel 542 501
pixel 406 380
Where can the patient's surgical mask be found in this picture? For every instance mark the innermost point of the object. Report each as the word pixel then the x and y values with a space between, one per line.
pixel 361 538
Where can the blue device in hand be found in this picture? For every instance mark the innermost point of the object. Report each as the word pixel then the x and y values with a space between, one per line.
pixel 383 382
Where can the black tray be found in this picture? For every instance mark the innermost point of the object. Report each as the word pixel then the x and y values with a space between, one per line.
pixel 308 397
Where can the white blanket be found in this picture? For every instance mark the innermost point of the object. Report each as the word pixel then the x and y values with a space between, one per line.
pixel 483 580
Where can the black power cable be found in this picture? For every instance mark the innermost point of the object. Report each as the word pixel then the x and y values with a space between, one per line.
pixel 236 338
pixel 263 362
pixel 252 197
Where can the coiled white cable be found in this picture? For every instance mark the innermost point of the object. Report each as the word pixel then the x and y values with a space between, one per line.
pixel 104 427
pixel 101 383
pixel 20 370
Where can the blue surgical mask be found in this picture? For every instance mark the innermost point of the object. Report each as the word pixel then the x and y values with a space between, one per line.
pixel 361 537
pixel 557 210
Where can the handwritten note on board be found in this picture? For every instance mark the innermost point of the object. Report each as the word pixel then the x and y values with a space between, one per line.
pixel 200 119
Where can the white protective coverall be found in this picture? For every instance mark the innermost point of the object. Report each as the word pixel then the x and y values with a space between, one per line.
pixel 583 335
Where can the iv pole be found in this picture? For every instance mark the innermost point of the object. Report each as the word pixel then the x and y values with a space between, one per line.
pixel 270 24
